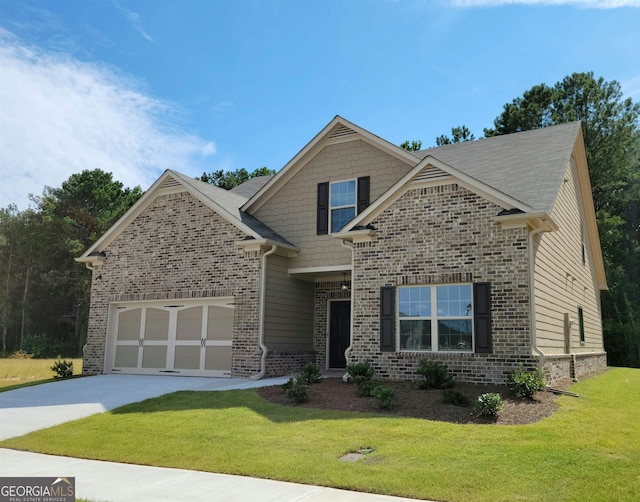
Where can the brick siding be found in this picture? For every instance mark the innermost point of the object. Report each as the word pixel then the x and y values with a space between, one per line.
pixel 178 248
pixel 439 235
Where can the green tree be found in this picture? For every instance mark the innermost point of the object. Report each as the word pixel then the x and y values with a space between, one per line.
pixel 458 135
pixel 412 146
pixel 611 134
pixel 45 294
pixel 230 179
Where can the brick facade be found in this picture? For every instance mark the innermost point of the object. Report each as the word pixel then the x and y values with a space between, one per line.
pixel 178 248
pixel 444 235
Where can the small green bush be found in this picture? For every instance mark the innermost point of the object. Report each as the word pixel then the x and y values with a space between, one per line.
pixel 62 368
pixel 360 371
pixel 296 390
pixel 454 396
pixel 525 384
pixel 436 375
pixel 488 405
pixel 365 387
pixel 311 374
pixel 385 397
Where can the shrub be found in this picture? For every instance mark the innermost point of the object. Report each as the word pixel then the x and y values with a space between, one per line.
pixel 365 387
pixel 21 354
pixel 38 345
pixel 454 396
pixel 385 397
pixel 360 371
pixel 296 391
pixel 311 374
pixel 62 368
pixel 525 384
pixel 436 375
pixel 488 405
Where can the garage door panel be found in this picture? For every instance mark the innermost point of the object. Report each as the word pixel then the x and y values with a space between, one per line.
pixel 154 356
pixel 189 324
pixel 187 357
pixel 218 358
pixel 129 325
pixel 126 356
pixel 220 323
pixel 156 325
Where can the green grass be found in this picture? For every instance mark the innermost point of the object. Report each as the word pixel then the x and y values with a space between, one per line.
pixel 15 373
pixel 589 450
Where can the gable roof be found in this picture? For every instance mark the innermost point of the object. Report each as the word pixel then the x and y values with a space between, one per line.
pixel 251 186
pixel 224 202
pixel 336 131
pixel 528 165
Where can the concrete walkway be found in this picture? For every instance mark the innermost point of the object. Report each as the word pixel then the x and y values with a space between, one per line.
pixel 109 481
pixel 32 408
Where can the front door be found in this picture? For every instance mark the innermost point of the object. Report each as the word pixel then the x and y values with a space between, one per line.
pixel 339 332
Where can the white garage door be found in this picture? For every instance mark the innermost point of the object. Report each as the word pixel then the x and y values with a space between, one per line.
pixel 172 337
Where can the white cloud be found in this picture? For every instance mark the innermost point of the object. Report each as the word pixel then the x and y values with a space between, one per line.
pixel 134 19
pixel 594 4
pixel 59 116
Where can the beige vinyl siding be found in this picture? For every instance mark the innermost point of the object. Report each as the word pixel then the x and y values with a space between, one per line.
pixel 563 282
pixel 289 304
pixel 292 210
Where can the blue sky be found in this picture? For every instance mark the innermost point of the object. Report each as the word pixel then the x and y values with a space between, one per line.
pixel 136 87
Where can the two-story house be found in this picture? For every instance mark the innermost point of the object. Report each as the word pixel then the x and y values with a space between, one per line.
pixel 481 255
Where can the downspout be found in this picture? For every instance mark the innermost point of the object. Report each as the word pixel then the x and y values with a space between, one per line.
pixel 348 349
pixel 263 284
pixel 532 291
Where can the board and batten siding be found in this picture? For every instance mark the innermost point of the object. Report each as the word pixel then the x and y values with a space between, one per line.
pixel 288 324
pixel 563 283
pixel 292 210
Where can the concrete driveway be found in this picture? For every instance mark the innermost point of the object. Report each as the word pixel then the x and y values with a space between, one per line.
pixel 31 408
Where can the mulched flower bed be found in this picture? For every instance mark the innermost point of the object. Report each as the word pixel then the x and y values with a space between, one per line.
pixel 334 394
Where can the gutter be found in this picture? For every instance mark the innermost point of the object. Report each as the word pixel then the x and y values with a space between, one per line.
pixel 263 284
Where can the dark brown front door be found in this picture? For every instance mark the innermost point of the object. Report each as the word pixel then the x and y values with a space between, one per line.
pixel 339 331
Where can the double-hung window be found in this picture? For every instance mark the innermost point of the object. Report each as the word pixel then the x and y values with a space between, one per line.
pixel 339 202
pixel 343 203
pixel 436 318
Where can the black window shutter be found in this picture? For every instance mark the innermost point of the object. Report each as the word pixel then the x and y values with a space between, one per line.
pixel 323 208
pixel 387 318
pixel 482 317
pixel 363 193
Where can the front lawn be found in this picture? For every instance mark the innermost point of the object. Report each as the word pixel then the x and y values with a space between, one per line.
pixel 588 450
pixel 16 373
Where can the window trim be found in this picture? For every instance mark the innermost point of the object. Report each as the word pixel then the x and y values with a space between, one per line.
pixel 331 207
pixel 433 318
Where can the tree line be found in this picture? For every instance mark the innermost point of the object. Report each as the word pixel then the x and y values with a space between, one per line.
pixel 44 293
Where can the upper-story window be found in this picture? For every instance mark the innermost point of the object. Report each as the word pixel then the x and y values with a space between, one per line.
pixel 339 202
pixel 343 203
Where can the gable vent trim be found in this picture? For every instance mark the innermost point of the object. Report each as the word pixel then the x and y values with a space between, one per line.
pixel 431 173
pixel 170 183
pixel 341 132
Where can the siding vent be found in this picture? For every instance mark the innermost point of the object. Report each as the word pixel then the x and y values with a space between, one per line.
pixel 170 183
pixel 341 131
pixel 431 173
